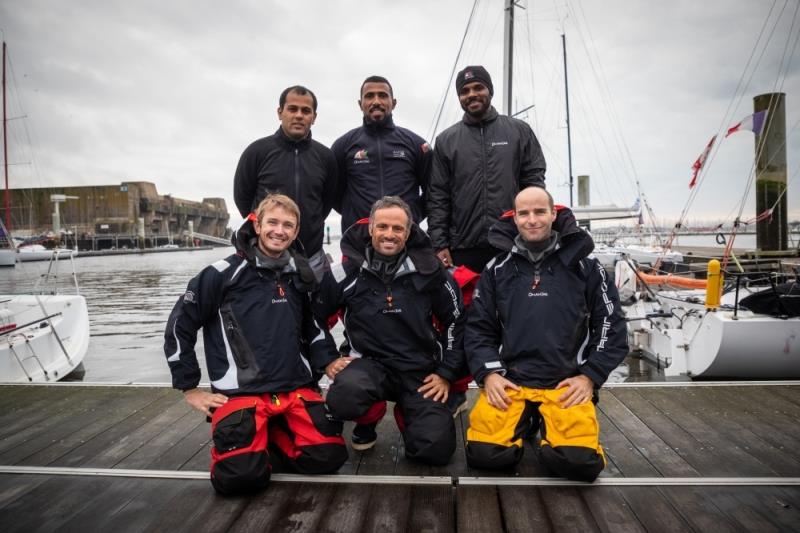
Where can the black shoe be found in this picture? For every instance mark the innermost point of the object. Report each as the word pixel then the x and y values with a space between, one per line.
pixel 457 402
pixel 364 436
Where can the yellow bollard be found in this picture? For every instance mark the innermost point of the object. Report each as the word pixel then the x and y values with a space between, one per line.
pixel 713 285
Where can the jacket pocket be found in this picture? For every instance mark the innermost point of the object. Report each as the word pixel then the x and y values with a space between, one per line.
pixel 321 418
pixel 237 430
pixel 240 348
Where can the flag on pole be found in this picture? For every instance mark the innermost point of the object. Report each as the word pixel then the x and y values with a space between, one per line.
pixel 754 123
pixel 701 161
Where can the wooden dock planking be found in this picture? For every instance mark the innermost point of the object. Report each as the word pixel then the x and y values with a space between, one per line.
pixel 692 431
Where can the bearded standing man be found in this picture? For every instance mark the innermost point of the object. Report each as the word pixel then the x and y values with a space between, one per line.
pixel 479 166
pixel 379 158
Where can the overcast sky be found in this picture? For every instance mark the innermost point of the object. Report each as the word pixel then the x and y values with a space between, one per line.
pixel 172 92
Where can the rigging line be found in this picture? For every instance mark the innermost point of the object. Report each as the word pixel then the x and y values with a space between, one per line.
pixel 729 111
pixel 453 71
pixel 528 15
pixel 25 127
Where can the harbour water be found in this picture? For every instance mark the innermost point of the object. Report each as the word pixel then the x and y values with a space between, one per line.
pixel 130 297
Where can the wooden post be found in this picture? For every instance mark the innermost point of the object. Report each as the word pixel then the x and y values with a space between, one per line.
pixel 771 233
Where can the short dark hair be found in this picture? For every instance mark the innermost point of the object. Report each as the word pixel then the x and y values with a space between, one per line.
pixel 297 89
pixel 375 79
pixel 390 201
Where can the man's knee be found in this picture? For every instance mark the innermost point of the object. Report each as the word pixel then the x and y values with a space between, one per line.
pixel 430 436
pixel 492 456
pixel 351 394
pixel 572 462
pixel 320 458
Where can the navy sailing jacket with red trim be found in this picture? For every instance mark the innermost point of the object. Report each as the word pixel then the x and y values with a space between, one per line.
pixel 568 323
pixel 259 332
pixel 398 332
pixel 377 160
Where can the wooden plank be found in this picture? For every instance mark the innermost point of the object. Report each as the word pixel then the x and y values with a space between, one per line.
pixel 771 502
pixel 698 509
pixel 381 459
pixel 305 509
pixel 567 510
pixel 265 508
pixel 523 509
pixel 432 509
pixel 51 429
pixel 751 415
pixel 346 511
pixel 14 486
pixel 197 507
pixel 748 515
pixel 350 467
pixel 167 439
pixel 478 509
pixel 89 426
pixel 780 414
pixel 30 405
pixel 145 506
pixel 691 438
pixel 790 393
pixel 115 497
pixel 624 454
pixel 610 510
pixel 719 426
pixel 104 449
pixel 653 510
pixel 51 504
pixel 389 508
pixel 196 440
pixel 655 450
pixel 611 469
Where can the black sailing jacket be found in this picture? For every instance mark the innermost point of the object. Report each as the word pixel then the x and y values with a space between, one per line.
pixel 570 322
pixel 478 169
pixel 259 333
pixel 377 160
pixel 303 170
pixel 398 331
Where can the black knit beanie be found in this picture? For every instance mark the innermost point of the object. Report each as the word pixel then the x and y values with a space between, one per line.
pixel 474 73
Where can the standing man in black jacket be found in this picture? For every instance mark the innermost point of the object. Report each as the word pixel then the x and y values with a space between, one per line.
pixel 480 163
pixel 380 159
pixel 290 162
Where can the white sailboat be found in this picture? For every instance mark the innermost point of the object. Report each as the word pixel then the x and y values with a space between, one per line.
pixel 44 335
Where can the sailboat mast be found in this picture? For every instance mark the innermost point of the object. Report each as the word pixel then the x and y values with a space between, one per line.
pixel 569 134
pixel 508 54
pixel 5 143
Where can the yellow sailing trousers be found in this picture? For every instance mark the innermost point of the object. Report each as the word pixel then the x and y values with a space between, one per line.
pixel 570 444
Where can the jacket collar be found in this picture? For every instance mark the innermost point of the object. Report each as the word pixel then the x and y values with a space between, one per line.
pixel 387 125
pixel 491 115
pixel 420 256
pixel 574 243
pixel 288 141
pixel 245 239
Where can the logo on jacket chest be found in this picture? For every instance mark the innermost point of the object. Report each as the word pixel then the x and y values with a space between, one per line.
pixel 280 300
pixel 361 157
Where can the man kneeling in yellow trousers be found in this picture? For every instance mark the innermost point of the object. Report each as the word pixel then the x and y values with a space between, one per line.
pixel 543 333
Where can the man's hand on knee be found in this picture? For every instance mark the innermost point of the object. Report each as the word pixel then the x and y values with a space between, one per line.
pixel 336 366
pixel 579 390
pixel 203 401
pixel 435 387
pixel 495 387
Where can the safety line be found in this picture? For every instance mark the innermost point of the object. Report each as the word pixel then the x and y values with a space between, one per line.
pixel 422 480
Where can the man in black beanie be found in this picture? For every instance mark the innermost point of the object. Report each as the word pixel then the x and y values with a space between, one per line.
pixel 480 163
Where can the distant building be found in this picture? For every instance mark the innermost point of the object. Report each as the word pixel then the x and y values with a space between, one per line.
pixel 114 210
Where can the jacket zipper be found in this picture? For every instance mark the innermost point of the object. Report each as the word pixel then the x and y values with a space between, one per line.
pixel 485 178
pixel 297 175
pixel 380 162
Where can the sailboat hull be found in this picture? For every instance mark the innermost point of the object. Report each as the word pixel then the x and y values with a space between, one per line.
pixel 42 340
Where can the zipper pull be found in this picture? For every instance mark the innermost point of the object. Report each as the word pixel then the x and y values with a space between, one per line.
pixel 276 400
pixel 389 298
pixel 281 292
pixel 536 279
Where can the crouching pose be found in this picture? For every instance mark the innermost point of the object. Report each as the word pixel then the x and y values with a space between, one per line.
pixel 265 353
pixel 391 287
pixel 544 331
